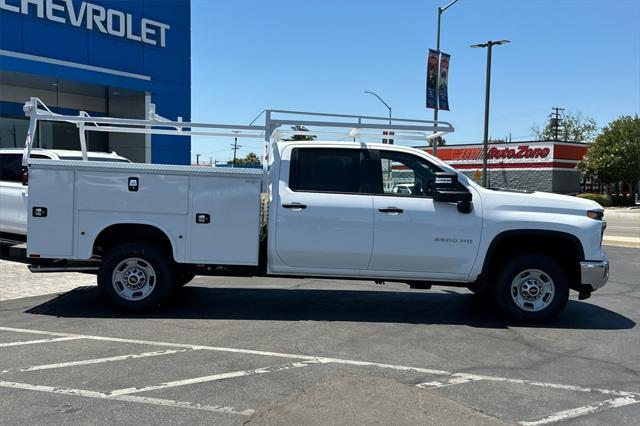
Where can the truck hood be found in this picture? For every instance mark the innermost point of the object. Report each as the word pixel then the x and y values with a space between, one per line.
pixel 539 201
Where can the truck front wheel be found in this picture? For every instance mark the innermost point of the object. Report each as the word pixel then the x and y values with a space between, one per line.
pixel 136 277
pixel 531 288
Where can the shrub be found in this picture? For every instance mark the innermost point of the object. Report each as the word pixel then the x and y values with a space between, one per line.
pixel 622 200
pixel 603 200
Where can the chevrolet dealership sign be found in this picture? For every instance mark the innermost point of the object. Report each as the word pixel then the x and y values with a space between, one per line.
pixel 92 17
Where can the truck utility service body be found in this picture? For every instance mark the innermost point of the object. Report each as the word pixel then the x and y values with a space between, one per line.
pixel 14 188
pixel 322 208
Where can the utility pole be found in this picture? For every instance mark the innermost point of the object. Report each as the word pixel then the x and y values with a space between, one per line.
pixel 198 159
pixel 437 106
pixel 488 45
pixel 555 122
pixel 235 147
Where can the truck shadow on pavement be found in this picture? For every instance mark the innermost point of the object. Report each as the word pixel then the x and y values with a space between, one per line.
pixel 257 304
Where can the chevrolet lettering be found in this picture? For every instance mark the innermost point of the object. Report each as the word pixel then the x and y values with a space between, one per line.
pixel 92 17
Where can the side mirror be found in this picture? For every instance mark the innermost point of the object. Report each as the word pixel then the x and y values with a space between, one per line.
pixel 445 189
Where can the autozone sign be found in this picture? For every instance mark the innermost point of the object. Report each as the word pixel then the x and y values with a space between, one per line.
pixel 500 155
pixel 522 151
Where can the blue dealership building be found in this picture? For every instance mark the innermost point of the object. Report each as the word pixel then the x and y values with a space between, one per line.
pixel 106 57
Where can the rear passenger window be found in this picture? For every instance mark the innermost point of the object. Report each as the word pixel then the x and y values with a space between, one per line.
pixel 10 165
pixel 325 170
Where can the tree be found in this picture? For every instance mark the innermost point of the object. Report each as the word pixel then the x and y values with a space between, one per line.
pixel 615 154
pixel 251 159
pixel 300 137
pixel 573 127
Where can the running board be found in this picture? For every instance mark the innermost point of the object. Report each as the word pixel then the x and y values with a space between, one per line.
pixel 40 269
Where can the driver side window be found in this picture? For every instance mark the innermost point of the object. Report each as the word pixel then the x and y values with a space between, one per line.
pixel 406 174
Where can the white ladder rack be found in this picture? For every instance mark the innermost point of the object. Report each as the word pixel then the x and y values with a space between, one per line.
pixel 338 127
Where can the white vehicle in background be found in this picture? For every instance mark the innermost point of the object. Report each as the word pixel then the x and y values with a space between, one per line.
pixel 146 229
pixel 403 188
pixel 14 188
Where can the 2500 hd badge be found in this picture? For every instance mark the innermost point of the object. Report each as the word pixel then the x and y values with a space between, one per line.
pixel 452 240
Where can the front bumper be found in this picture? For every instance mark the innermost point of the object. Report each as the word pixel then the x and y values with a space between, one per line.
pixel 594 274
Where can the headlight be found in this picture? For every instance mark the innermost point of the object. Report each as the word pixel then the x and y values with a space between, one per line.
pixel 595 214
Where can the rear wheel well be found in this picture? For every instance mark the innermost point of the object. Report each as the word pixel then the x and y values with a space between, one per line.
pixel 561 247
pixel 115 235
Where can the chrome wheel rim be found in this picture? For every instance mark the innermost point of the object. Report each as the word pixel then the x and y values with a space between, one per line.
pixel 134 279
pixel 532 290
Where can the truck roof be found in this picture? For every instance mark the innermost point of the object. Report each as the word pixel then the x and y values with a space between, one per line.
pixel 66 153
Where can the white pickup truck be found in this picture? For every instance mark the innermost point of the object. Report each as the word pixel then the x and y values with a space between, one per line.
pixel 13 184
pixel 321 209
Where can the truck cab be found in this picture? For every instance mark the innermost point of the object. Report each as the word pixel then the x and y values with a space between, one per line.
pixel 340 196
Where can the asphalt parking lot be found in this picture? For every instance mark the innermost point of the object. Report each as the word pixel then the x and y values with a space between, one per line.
pixel 274 351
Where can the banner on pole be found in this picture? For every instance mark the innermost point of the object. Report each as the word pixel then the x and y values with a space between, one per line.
pixel 432 63
pixel 443 102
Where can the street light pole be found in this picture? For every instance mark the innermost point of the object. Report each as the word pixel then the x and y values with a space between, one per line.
pixel 437 105
pixel 385 104
pixel 485 142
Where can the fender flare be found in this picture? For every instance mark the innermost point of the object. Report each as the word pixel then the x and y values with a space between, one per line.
pixel 525 232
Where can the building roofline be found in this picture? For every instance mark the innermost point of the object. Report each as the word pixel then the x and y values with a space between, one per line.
pixel 468 145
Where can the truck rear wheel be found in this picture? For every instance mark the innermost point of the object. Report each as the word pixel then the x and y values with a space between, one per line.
pixel 531 288
pixel 136 277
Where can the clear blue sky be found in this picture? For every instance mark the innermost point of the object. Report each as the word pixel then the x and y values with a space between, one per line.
pixel 319 55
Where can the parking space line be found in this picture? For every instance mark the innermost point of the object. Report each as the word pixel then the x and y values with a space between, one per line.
pixel 35 342
pixel 53 389
pixel 183 404
pixel 96 360
pixel 125 398
pixel 582 411
pixel 212 378
pixel 381 365
pixel 624 397
pixel 548 385
pixel 167 344
pixel 457 380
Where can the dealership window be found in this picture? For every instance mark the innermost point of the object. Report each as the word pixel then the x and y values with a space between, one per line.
pixel 405 175
pixel 56 135
pixel 325 170
pixel 13 132
pixel 50 135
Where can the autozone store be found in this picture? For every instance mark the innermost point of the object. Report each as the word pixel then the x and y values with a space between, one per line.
pixel 538 165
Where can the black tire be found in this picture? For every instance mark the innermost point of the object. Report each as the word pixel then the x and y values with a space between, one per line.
pixel 481 292
pixel 551 303
pixel 159 279
pixel 183 277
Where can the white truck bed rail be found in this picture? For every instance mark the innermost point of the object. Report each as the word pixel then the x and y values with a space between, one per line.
pixel 301 124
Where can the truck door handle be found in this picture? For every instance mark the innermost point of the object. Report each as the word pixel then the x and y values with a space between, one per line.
pixel 295 206
pixel 393 210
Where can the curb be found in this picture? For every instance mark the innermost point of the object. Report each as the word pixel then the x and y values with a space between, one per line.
pixel 630 242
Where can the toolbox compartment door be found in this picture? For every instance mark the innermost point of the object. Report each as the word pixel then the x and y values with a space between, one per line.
pixel 228 232
pixel 51 212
